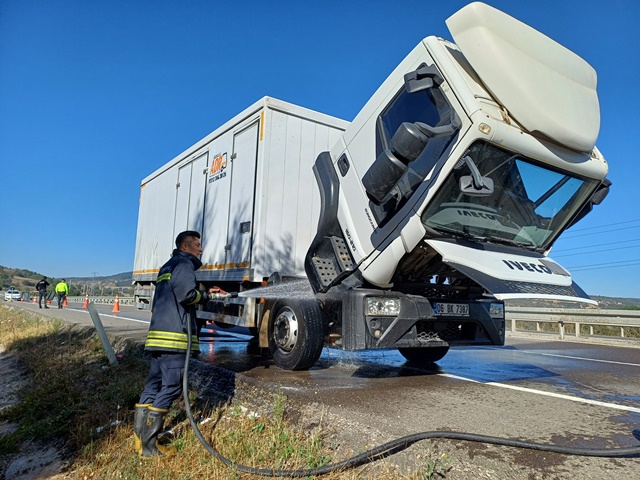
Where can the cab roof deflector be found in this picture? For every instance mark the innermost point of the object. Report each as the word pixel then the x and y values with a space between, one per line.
pixel 547 89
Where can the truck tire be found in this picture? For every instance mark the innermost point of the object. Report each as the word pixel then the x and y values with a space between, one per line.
pixel 296 334
pixel 423 355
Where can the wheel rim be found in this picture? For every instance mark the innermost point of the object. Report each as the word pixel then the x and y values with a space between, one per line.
pixel 285 330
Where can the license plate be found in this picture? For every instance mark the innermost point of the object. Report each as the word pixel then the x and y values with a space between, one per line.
pixel 451 309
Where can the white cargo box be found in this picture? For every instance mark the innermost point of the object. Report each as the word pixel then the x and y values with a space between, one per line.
pixel 248 188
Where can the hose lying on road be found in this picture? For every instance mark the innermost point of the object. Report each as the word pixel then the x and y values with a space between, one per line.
pixel 391 447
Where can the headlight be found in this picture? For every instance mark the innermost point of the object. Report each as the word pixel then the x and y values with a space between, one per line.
pixel 382 306
pixel 496 310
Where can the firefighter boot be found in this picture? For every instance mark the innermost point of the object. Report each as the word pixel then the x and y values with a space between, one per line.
pixel 149 435
pixel 139 419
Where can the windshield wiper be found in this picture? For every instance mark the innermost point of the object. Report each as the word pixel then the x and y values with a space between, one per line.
pixel 459 233
pixel 528 246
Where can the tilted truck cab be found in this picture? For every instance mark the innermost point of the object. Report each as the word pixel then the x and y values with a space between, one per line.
pixel 447 191
pixel 438 202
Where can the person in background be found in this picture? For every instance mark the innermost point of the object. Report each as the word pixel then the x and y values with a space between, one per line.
pixel 174 305
pixel 41 287
pixel 62 290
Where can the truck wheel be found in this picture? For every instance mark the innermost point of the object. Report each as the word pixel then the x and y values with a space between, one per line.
pixel 423 355
pixel 296 334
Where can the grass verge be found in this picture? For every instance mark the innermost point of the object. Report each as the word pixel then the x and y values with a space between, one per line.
pixel 74 399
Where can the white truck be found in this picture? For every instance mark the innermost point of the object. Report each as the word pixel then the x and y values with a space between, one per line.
pixel 438 202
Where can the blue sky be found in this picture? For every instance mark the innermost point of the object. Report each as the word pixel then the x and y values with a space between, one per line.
pixel 94 96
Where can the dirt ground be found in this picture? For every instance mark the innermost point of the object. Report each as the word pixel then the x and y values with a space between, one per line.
pixel 33 461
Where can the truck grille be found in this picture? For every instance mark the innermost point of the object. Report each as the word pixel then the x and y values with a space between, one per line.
pixel 445 331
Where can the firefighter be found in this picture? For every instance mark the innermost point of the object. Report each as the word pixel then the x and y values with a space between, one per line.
pixel 174 305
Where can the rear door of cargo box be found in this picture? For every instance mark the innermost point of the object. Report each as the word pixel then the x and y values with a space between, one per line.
pixel 190 189
pixel 241 198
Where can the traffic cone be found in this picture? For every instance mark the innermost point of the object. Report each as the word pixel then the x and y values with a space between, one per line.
pixel 22 299
pixel 64 303
pixel 116 305
pixel 34 300
pixel 85 305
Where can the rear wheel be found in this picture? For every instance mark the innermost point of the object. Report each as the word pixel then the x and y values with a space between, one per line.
pixel 424 355
pixel 296 334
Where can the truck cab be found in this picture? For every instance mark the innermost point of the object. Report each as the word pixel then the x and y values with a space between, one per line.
pixel 444 196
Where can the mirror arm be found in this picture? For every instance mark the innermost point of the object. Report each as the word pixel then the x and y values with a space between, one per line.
pixel 444 130
pixel 478 183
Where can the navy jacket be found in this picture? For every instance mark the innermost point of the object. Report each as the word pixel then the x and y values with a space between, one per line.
pixel 174 305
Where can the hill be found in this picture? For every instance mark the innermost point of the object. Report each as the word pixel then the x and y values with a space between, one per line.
pixel 25 280
pixel 611 303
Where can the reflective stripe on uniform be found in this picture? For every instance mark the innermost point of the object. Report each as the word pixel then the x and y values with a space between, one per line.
pixel 170 340
pixel 197 300
pixel 164 276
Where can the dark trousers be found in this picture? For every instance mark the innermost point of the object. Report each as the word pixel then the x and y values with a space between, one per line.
pixel 164 383
pixel 61 297
pixel 43 294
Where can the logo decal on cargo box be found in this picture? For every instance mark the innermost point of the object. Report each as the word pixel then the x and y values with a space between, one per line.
pixel 218 168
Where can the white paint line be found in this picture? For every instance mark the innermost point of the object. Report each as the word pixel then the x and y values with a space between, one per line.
pixel 112 316
pixel 586 359
pixel 124 318
pixel 568 356
pixel 546 394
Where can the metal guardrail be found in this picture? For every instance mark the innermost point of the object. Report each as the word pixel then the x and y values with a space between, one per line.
pixel 102 300
pixel 622 319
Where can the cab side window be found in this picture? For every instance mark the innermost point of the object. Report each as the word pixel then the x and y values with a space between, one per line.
pixel 426 106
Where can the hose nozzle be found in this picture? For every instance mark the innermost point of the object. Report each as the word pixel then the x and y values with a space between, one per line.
pixel 223 296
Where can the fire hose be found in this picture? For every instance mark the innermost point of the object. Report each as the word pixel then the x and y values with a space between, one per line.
pixel 389 448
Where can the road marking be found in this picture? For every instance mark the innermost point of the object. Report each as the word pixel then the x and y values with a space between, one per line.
pixel 546 394
pixel 568 356
pixel 124 318
pixel 584 358
pixel 112 316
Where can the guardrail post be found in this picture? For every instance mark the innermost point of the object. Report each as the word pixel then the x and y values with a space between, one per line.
pixel 577 329
pixel 591 330
pixel 622 332
pixel 537 326
pixel 513 324
pixel 561 329
pixel 102 334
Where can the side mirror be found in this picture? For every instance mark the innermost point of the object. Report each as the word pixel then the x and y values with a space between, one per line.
pixel 469 187
pixel 601 193
pixel 405 146
pixel 596 199
pixel 475 185
pixel 426 76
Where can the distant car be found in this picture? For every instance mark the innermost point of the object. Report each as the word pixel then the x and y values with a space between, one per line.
pixel 12 294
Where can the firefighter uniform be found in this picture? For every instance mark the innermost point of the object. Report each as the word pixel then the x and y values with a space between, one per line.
pixel 174 305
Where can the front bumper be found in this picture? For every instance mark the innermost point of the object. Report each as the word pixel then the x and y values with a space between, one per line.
pixel 416 325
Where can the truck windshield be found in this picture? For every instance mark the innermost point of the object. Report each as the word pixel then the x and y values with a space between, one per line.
pixel 529 206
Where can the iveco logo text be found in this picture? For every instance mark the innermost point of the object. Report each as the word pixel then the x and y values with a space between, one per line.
pixel 471 213
pixel 531 267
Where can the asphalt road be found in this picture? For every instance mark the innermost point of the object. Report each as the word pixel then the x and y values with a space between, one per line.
pixel 535 388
